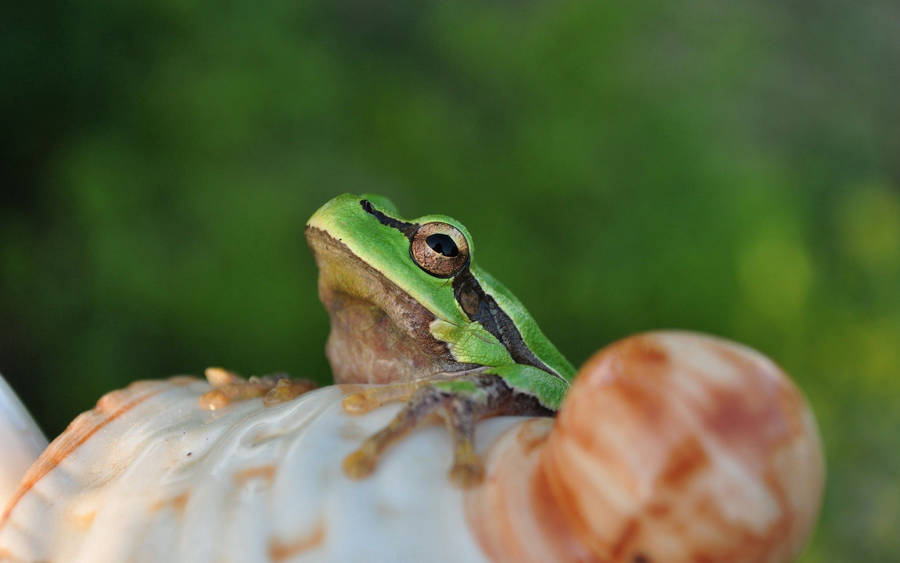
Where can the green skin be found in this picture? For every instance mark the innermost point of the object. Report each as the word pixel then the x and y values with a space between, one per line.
pixel 393 321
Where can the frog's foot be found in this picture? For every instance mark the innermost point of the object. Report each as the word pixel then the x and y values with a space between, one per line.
pixel 230 387
pixel 460 403
pixel 363 401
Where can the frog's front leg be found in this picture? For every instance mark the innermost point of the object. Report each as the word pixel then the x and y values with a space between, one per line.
pixel 459 403
pixel 229 387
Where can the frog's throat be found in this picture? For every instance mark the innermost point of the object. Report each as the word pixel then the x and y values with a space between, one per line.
pixel 379 333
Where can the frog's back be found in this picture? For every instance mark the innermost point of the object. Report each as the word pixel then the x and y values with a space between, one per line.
pixel 531 334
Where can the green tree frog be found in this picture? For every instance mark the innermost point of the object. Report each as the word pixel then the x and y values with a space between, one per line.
pixel 411 309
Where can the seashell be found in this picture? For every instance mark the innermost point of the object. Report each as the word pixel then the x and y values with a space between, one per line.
pixel 669 447
pixel 148 475
pixel 21 441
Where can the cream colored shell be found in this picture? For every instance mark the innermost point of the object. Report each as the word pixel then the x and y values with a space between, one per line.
pixel 21 441
pixel 149 476
pixel 670 447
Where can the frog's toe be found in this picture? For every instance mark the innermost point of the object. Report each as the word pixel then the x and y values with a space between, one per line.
pixel 459 405
pixel 422 405
pixel 357 403
pixel 467 469
pixel 366 400
pixel 360 464
pixel 229 393
pixel 225 388
pixel 229 387
pixel 465 475
pixel 287 390
pixel 213 400
pixel 218 376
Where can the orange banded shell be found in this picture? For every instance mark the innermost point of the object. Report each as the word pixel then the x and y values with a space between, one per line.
pixel 670 447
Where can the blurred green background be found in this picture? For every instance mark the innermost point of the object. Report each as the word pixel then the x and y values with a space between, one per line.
pixel 714 166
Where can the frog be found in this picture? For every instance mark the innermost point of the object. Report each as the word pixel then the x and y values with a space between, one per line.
pixel 413 313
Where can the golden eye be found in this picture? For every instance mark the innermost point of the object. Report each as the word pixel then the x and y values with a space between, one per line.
pixel 440 249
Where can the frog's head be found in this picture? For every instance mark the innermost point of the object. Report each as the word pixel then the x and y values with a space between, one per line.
pixel 383 280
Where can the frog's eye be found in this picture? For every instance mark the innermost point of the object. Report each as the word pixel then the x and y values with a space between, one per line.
pixel 440 249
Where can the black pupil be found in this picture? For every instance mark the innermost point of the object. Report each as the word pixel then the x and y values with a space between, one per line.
pixel 442 244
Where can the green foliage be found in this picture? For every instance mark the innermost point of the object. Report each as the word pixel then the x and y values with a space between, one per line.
pixel 713 166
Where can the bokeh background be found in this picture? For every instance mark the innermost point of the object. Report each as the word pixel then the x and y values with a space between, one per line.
pixel 725 167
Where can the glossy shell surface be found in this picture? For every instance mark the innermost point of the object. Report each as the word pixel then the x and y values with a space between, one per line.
pixel 149 476
pixel 669 447
pixel 21 441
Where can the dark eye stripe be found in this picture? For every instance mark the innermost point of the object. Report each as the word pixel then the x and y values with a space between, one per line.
pixel 483 308
pixel 408 229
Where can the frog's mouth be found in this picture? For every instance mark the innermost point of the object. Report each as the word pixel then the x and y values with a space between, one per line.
pixel 379 333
